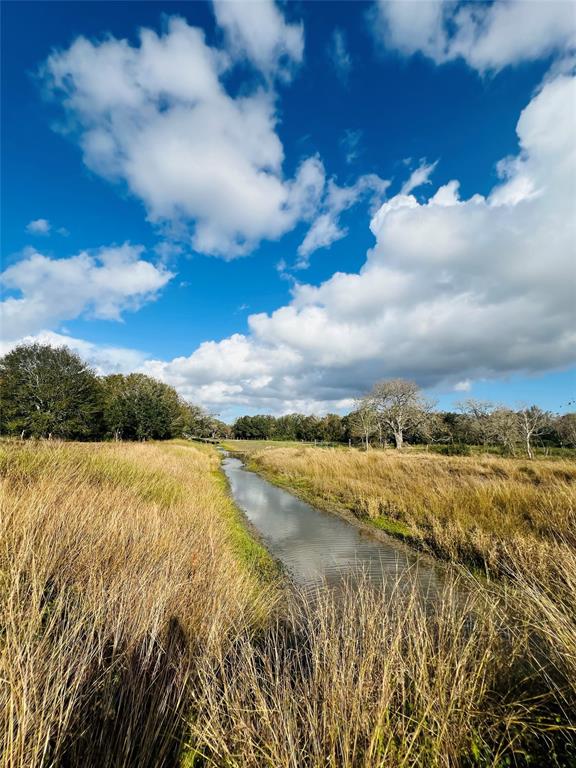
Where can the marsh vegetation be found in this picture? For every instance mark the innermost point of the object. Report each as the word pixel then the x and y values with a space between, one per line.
pixel 481 511
pixel 142 626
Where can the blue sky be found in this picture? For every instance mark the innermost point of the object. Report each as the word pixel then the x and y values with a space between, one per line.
pixel 164 192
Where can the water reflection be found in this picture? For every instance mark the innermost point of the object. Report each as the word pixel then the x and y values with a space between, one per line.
pixel 317 547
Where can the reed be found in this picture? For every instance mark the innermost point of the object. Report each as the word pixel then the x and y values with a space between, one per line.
pixel 142 626
pixel 372 679
pixel 118 563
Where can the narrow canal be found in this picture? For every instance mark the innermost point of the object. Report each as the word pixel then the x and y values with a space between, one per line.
pixel 316 547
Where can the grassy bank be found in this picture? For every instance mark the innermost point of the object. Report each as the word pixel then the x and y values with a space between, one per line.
pixel 119 563
pixel 138 629
pixel 486 512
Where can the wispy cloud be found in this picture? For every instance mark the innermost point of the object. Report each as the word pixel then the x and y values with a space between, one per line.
pixel 38 227
pixel 418 177
pixel 350 143
pixel 339 55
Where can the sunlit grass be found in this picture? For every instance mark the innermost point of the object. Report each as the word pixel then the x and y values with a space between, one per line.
pixel 119 564
pixel 141 626
pixel 478 510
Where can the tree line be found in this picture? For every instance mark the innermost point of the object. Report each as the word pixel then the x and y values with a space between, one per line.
pixel 396 412
pixel 293 426
pixel 51 392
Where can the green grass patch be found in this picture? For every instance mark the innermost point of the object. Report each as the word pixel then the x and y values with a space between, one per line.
pixel 390 526
pixel 249 550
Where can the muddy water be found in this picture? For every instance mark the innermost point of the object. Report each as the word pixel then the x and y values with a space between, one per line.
pixel 316 547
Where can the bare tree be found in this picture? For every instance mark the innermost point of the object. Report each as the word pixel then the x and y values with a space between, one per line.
pixel 364 420
pixel 565 427
pixel 502 428
pixel 480 412
pixel 533 422
pixel 433 429
pixel 400 406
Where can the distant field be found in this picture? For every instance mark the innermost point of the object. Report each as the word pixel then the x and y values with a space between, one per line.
pixel 249 446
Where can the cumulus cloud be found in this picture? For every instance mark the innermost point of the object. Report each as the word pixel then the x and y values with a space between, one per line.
pixel 103 284
pixel 102 357
pixel 38 227
pixel 326 228
pixel 256 30
pixel 157 117
pixel 339 55
pixel 452 291
pixel 488 36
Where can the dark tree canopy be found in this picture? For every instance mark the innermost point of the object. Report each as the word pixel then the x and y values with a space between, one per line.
pixel 50 392
pixel 138 407
pixel 293 426
pixel 47 392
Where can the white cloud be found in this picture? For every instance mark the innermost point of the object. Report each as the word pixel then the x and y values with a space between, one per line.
pixel 350 143
pixel 324 231
pixel 158 118
pixel 453 290
pixel 103 284
pixel 38 227
pixel 326 228
pixel 102 357
pixel 339 55
pixel 463 386
pixel 488 36
pixel 418 177
pixel 256 30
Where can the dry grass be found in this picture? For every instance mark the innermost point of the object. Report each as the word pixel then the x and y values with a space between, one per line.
pixel 118 565
pixel 136 631
pixel 481 511
pixel 373 680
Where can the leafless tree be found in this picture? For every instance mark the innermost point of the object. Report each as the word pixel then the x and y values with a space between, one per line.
pixel 502 428
pixel 433 429
pixel 533 422
pixel 565 427
pixel 480 412
pixel 400 406
pixel 364 420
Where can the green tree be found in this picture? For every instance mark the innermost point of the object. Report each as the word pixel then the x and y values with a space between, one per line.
pixel 138 407
pixel 259 427
pixel 48 392
pixel 332 428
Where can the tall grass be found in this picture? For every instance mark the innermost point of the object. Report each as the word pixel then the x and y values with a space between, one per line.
pixel 117 566
pixel 488 512
pixel 368 679
pixel 139 628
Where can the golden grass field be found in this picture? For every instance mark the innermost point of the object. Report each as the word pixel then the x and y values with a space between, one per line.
pixel 483 511
pixel 118 561
pixel 141 626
